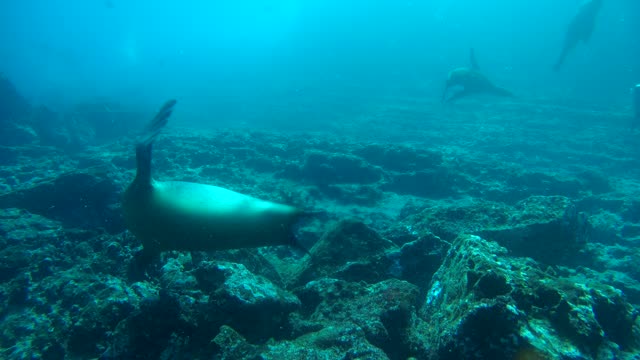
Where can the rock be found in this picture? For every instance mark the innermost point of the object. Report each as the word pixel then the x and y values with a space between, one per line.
pixel 384 310
pixel 507 306
pixel 546 228
pixel 364 195
pixel 399 158
pixel 330 343
pixel 252 304
pixel 77 199
pixel 447 221
pixel 416 261
pixel 323 169
pixel 525 183
pixel 28 245
pixel 232 345
pixel 110 302
pixel 18 134
pixel 348 244
pixel 14 108
pixel 432 183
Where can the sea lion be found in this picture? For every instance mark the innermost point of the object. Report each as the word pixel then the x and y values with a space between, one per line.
pixel 472 82
pixel 176 215
pixel 580 29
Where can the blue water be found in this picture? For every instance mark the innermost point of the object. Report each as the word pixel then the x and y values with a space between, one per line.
pixel 208 53
pixel 416 187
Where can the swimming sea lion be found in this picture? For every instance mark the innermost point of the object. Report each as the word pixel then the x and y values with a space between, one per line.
pixel 580 29
pixel 176 215
pixel 472 82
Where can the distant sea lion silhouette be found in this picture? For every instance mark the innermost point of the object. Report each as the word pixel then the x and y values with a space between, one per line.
pixel 580 29
pixel 176 215
pixel 472 82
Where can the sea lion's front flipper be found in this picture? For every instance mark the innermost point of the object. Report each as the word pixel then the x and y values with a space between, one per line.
pixel 457 95
pixel 497 90
pixel 473 61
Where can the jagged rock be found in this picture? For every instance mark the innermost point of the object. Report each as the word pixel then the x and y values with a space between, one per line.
pixel 447 221
pixel 504 306
pixel 416 261
pixel 231 345
pixel 433 183
pixel 323 169
pixel 18 134
pixel 48 124
pixel 383 310
pixel 364 195
pixel 543 184
pixel 400 158
pixel 26 240
pixel 253 260
pixel 78 199
pixel 348 245
pixel 546 228
pixel 102 304
pixel 252 304
pixel 330 343
pixel 14 108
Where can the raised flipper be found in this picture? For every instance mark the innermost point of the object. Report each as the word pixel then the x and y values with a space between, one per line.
pixel 145 142
pixel 157 123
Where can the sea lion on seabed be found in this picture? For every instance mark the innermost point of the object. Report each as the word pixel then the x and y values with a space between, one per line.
pixel 471 81
pixel 580 29
pixel 176 215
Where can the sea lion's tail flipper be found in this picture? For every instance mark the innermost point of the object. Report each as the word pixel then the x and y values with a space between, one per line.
pixel 157 123
pixel 473 61
pixel 143 147
pixel 457 95
pixel 500 91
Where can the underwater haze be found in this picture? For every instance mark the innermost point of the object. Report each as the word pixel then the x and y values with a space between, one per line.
pixel 218 57
pixel 322 179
